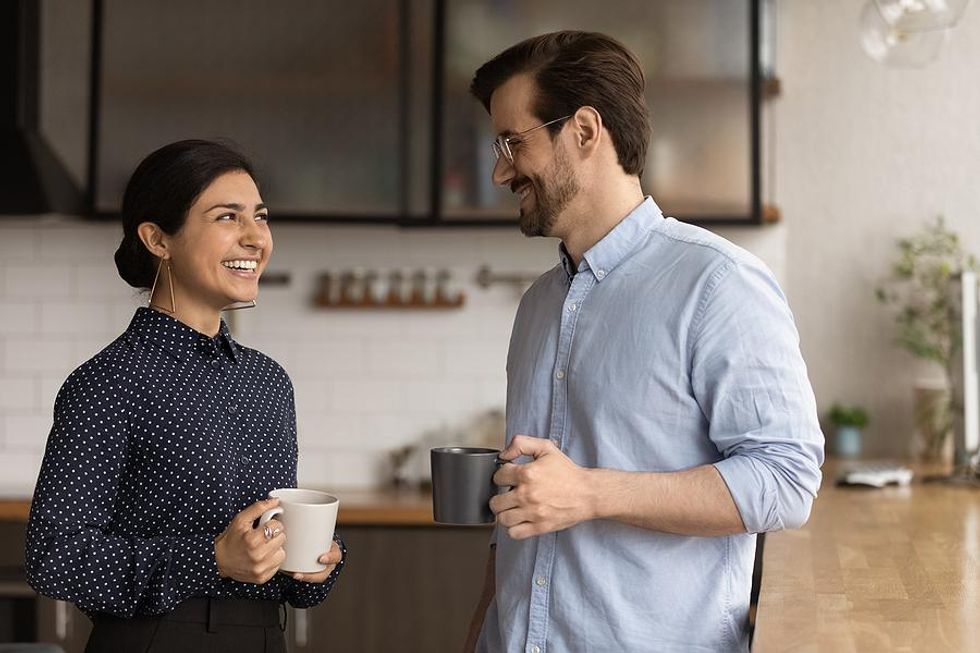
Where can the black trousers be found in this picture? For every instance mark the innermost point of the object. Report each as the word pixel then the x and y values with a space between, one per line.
pixel 207 625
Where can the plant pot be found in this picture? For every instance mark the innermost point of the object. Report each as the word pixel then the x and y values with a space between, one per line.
pixel 847 441
pixel 933 423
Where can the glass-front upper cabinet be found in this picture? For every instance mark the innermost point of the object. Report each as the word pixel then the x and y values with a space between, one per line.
pixel 316 92
pixel 700 58
pixel 360 111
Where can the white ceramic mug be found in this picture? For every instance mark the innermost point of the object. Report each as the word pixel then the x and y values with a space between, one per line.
pixel 309 518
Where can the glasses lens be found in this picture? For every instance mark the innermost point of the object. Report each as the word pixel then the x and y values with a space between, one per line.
pixel 502 149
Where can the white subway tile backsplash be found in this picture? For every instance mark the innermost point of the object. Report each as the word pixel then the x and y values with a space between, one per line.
pixel 365 381
pixel 311 395
pixel 93 242
pixel 406 359
pixel 339 469
pixel 329 430
pixel 18 244
pixel 87 347
pixel 121 312
pixel 83 318
pixel 18 393
pixel 18 317
pixel 100 280
pixel 386 432
pixel 493 390
pixel 26 432
pixel 37 282
pixel 21 354
pixel 477 358
pixel 442 398
pixel 368 397
pixel 327 358
pixel 49 388
pixel 20 470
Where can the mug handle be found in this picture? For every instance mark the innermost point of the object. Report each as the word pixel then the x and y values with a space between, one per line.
pixel 269 514
pixel 501 489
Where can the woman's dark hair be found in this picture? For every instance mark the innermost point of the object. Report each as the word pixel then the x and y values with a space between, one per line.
pixel 162 190
pixel 576 69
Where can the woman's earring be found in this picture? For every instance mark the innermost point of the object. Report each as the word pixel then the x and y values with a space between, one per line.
pixel 170 282
pixel 237 306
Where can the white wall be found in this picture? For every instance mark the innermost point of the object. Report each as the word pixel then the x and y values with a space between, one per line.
pixel 864 154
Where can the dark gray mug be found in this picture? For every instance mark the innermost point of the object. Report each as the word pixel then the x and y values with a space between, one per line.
pixel 462 484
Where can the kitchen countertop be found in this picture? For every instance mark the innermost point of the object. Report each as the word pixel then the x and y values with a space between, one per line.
pixel 895 569
pixel 358 507
pixel 890 569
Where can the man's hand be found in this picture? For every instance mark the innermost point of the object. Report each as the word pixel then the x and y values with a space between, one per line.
pixel 551 493
pixel 331 559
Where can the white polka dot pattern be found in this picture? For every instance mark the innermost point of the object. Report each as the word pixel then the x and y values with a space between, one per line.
pixel 157 443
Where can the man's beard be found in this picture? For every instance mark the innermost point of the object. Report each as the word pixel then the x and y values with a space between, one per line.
pixel 552 193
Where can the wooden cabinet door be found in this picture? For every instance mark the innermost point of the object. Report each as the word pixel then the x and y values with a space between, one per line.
pixel 410 589
pixel 61 623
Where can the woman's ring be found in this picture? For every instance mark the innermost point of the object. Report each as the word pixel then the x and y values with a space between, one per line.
pixel 270 532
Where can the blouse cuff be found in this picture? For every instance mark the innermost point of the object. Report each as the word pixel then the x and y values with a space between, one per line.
pixel 198 564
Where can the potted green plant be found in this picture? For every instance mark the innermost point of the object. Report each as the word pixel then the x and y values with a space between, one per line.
pixel 848 422
pixel 924 301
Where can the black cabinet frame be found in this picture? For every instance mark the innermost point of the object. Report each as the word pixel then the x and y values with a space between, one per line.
pixel 434 217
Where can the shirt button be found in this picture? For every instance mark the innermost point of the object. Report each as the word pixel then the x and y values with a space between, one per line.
pixel 535 649
pixel 245 460
pixel 560 375
pixel 216 362
pixel 232 408
pixel 600 273
pixel 572 307
pixel 541 581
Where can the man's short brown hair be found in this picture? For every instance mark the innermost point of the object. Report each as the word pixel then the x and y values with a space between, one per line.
pixel 576 69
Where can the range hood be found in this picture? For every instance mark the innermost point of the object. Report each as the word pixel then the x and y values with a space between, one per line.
pixel 32 177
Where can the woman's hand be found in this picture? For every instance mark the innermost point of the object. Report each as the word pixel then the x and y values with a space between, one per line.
pixel 243 553
pixel 331 558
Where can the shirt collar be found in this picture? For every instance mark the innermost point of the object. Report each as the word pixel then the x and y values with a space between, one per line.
pixel 176 337
pixel 616 246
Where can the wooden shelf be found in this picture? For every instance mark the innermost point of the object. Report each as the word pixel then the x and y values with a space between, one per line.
pixel 390 305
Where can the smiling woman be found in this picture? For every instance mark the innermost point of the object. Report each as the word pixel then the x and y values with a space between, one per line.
pixel 192 211
pixel 165 443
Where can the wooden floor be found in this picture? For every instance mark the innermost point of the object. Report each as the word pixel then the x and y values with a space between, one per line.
pixel 896 569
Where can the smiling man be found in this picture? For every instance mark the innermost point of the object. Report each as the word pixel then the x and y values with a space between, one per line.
pixel 658 408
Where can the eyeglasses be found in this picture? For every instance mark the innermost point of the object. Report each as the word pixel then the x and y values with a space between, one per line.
pixel 501 144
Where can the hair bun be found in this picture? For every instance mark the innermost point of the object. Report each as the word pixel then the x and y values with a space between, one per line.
pixel 133 262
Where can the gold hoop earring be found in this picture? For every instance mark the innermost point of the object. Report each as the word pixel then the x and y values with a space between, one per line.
pixel 170 281
pixel 239 306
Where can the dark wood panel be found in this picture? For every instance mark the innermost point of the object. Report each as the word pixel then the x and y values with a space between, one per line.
pixel 404 589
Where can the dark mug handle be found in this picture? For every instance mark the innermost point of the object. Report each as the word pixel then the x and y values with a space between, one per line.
pixel 501 489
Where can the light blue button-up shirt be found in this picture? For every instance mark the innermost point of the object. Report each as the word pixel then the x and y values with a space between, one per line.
pixel 668 348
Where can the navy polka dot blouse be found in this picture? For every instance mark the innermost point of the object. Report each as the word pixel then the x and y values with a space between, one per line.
pixel 158 442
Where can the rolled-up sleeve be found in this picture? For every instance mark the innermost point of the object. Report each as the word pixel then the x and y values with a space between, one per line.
pixel 751 382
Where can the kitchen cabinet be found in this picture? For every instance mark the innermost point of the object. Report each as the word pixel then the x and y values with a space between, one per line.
pixel 703 62
pixel 25 616
pixel 316 95
pixel 360 111
pixel 406 589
